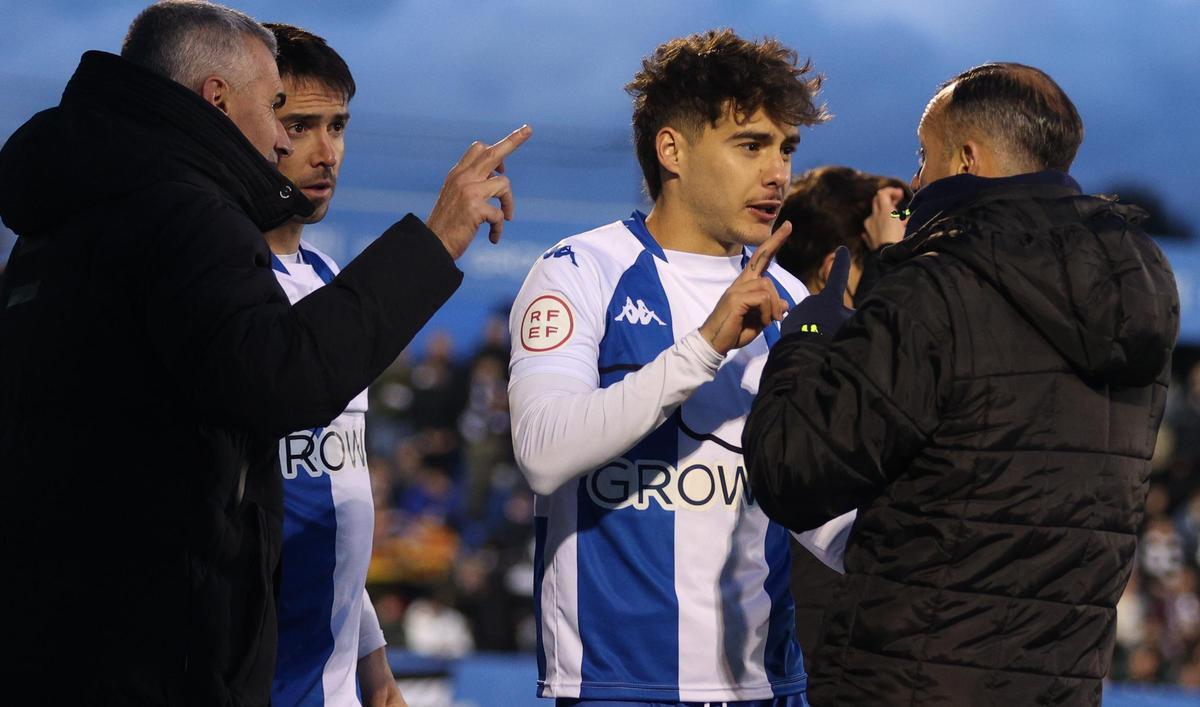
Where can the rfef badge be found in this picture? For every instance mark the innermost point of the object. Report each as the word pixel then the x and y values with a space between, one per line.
pixel 548 323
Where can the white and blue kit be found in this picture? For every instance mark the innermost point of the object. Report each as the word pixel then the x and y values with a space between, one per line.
pixel 657 577
pixel 326 620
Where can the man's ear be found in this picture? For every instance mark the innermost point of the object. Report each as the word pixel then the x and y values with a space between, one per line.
pixel 968 158
pixel 826 266
pixel 671 147
pixel 215 90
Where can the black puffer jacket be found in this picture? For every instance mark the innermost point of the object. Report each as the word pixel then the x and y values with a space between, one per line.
pixel 148 363
pixel 991 410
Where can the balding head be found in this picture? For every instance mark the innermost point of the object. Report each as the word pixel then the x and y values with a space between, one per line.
pixel 1014 117
pixel 1019 111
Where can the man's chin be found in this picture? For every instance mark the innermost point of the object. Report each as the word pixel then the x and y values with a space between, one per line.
pixel 317 215
pixel 752 236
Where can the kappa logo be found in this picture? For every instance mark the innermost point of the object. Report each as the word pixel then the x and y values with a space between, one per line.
pixel 637 314
pixel 563 252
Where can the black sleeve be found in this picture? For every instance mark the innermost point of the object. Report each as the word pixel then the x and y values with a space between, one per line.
pixel 872 270
pixel 833 423
pixel 234 349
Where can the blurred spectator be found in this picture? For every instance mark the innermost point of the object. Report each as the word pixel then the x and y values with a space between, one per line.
pixel 835 206
pixel 432 626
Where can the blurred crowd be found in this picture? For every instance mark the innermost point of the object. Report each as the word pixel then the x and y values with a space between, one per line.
pixel 452 567
pixel 1158 618
pixel 452 570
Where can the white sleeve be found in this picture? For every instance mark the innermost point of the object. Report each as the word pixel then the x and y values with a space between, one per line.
pixel 563 427
pixel 563 423
pixel 828 542
pixel 370 635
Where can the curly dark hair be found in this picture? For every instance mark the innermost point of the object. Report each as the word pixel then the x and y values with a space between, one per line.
pixel 827 206
pixel 692 80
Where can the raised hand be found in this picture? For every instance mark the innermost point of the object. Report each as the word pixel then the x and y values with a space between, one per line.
pixel 823 314
pixel 465 201
pixel 881 228
pixel 751 303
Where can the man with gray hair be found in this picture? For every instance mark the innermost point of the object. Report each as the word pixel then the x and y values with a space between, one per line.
pixel 990 409
pixel 149 361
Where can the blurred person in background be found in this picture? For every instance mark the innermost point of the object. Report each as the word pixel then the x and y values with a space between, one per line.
pixel 635 350
pixel 828 207
pixel 835 206
pixel 142 330
pixel 330 642
pixel 990 410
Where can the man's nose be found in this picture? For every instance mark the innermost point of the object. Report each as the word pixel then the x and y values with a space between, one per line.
pixel 283 143
pixel 325 155
pixel 778 172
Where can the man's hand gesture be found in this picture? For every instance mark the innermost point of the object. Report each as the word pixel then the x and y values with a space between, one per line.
pixel 823 314
pixel 881 228
pixel 751 303
pixel 466 198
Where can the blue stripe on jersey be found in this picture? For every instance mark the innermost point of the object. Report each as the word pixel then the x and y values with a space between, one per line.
pixel 277 265
pixel 628 344
pixel 540 525
pixel 306 591
pixel 319 266
pixel 783 293
pixel 772 332
pixel 782 658
pixel 628 609
pixel 637 226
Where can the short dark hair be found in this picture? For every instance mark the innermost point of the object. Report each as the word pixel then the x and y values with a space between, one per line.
pixel 1019 105
pixel 187 40
pixel 689 81
pixel 304 56
pixel 827 206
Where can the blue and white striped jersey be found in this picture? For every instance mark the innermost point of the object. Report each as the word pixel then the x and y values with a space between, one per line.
pixel 326 620
pixel 657 576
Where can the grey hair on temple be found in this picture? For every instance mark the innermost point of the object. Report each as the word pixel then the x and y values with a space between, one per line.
pixel 189 40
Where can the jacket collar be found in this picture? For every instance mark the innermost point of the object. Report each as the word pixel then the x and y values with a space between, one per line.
pixel 947 194
pixel 195 133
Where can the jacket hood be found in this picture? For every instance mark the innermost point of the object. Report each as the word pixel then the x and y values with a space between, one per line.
pixel 121 128
pixel 1078 268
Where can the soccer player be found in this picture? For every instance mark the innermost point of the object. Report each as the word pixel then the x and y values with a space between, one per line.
pixel 636 353
pixel 329 634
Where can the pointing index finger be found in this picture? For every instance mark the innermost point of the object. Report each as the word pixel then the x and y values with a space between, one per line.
pixel 762 257
pixel 839 274
pixel 493 157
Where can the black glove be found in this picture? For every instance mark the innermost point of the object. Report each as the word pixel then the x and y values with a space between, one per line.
pixel 822 314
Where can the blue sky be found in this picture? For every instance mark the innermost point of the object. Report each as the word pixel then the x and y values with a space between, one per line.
pixel 433 76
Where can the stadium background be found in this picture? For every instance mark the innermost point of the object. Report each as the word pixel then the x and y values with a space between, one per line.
pixel 452 570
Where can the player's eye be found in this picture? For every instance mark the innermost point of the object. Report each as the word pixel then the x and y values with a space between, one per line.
pixel 789 149
pixel 296 128
pixel 752 146
pixel 337 127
